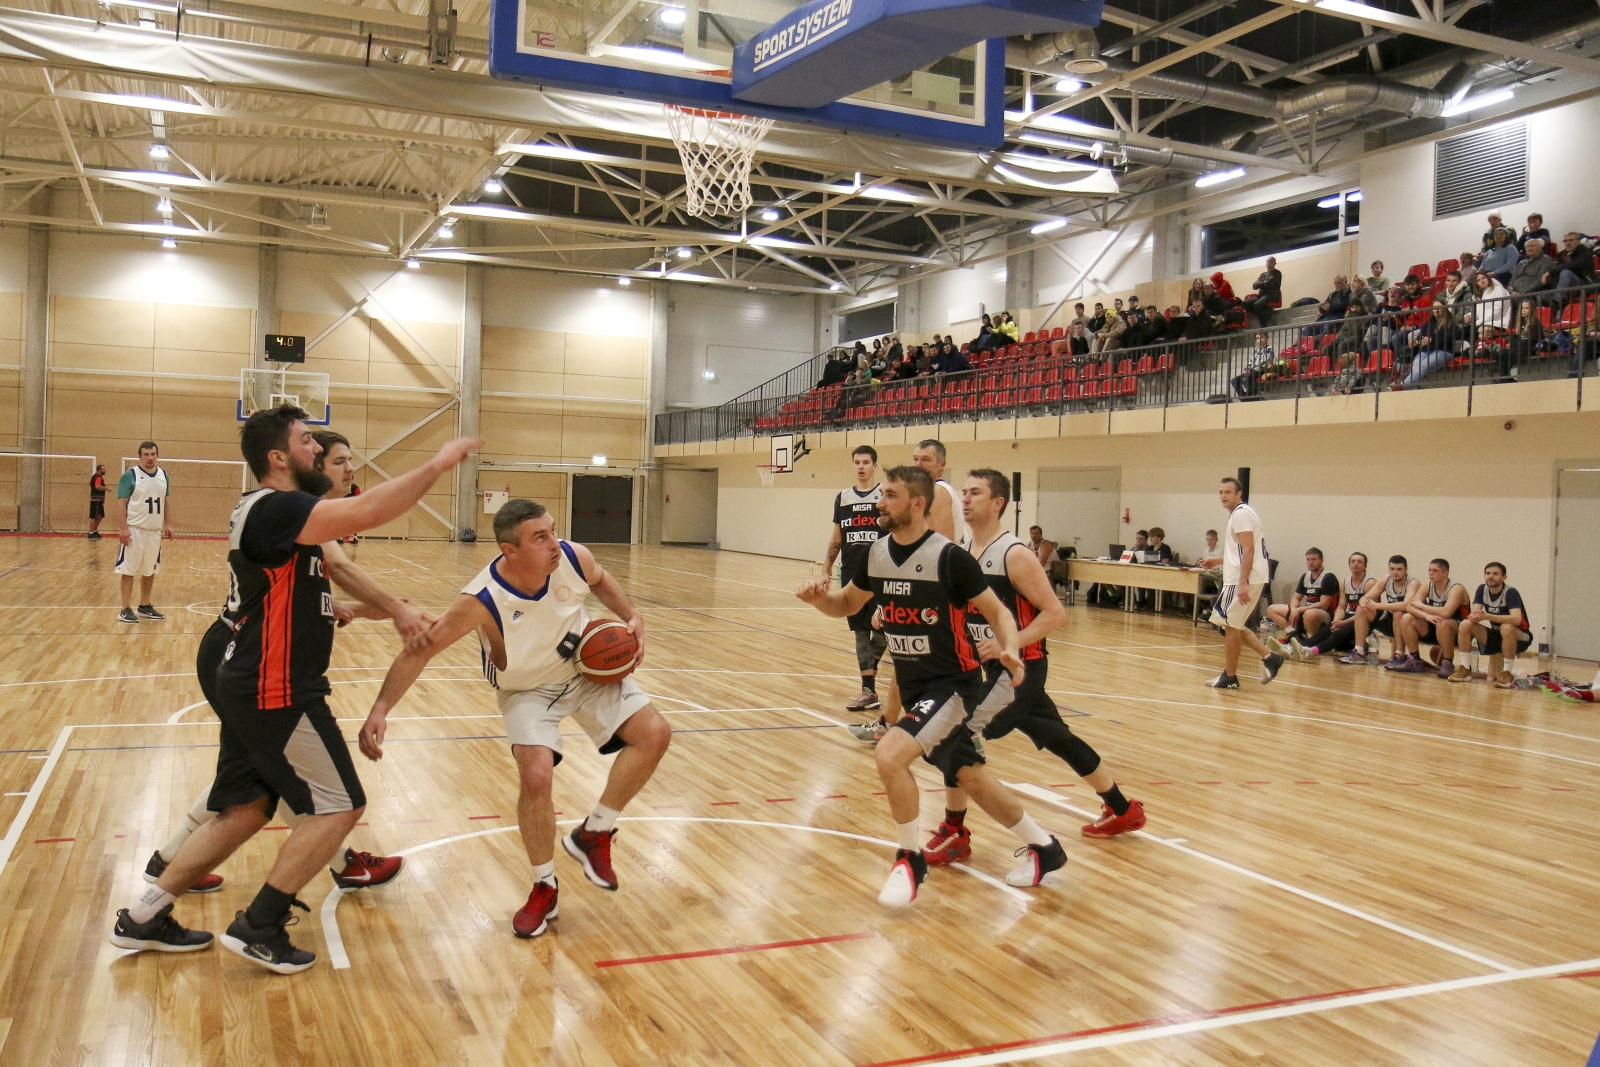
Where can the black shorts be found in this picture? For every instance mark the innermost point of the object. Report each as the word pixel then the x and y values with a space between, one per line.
pixel 938 713
pixel 97 509
pixel 1383 623
pixel 1491 646
pixel 861 620
pixel 1006 707
pixel 295 753
pixel 213 647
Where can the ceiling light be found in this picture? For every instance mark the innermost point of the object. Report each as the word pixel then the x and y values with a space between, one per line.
pixel 673 16
pixel 1068 85
pixel 1477 102
pixel 167 242
pixel 447 231
pixel 1047 225
pixel 164 206
pixel 1355 197
pixel 1329 202
pixel 597 460
pixel 770 215
pixel 624 281
pixel 414 263
pixel 835 287
pixel 709 375
pixel 1218 177
pixel 684 252
pixel 1097 150
pixel 159 151
pixel 493 186
pixel 319 219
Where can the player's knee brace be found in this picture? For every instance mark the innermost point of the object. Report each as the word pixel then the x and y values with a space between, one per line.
pixel 1058 738
pixel 870 646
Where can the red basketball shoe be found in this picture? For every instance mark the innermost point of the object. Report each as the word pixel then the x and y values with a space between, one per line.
pixel 363 869
pixel 949 844
pixel 1110 824
pixel 592 848
pixel 207 883
pixel 536 914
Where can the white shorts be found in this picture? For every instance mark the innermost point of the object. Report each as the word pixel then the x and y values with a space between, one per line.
pixel 141 556
pixel 1229 612
pixel 533 716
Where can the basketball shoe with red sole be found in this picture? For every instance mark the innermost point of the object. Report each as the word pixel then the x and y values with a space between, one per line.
pixel 592 848
pixel 536 914
pixel 208 883
pixel 362 870
pixel 949 844
pixel 1110 824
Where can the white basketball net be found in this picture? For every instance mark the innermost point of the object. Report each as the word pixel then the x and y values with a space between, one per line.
pixel 769 475
pixel 717 149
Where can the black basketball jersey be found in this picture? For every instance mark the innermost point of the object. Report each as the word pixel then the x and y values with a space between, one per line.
pixel 923 590
pixel 280 605
pixel 1353 593
pixel 856 514
pixel 995 573
pixel 1313 589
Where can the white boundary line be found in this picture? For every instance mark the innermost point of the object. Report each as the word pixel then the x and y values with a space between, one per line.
pixel 19 821
pixel 340 959
pixel 1045 795
pixel 1283 1011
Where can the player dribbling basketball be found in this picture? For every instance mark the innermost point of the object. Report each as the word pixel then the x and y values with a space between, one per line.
pixel 527 607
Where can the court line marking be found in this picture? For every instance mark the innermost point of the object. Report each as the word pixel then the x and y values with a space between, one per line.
pixel 329 911
pixel 733 950
pixel 190 674
pixel 19 821
pixel 1219 1022
pixel 1173 843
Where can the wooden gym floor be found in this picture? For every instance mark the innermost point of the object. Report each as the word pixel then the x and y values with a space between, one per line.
pixel 1343 868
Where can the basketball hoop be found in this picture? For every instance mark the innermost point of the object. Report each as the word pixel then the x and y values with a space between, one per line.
pixel 769 474
pixel 717 148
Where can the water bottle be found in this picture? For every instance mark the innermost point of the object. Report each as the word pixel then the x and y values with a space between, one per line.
pixel 1544 650
pixel 1372 649
pixel 1265 628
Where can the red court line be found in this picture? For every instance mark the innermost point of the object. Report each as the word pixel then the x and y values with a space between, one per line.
pixel 1257 783
pixel 1142 1024
pixel 52 840
pixel 1308 783
pixel 274 827
pixel 1508 787
pixel 780 800
pixel 1580 974
pixel 667 807
pixel 835 796
pixel 475 818
pixel 1158 783
pixel 735 949
pixel 1563 789
pixel 1063 785
pixel 1208 783
pixel 720 803
pixel 1358 783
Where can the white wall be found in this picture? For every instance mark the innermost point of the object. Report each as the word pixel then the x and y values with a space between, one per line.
pixel 950 300
pixel 1126 264
pixel 329 285
pixel 129 268
pixel 1397 223
pixel 745 337
pixel 560 303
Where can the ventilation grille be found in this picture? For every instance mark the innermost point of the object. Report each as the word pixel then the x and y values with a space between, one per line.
pixel 1481 170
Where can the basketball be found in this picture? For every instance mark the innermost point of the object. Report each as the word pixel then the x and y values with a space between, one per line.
pixel 607 652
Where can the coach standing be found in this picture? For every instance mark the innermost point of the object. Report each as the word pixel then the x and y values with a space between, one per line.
pixel 97 501
pixel 1244 576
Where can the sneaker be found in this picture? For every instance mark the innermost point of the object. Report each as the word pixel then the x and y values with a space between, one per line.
pixel 1413 665
pixel 1110 824
pixel 96 536
pixel 1447 668
pixel 127 615
pixel 161 934
pixel 1278 647
pixel 208 883
pixel 1398 662
pixel 869 733
pixel 949 844
pixel 268 945
pixel 536 914
pixel 363 870
pixel 1270 667
pixel 1505 681
pixel 908 872
pixel 148 612
pixel 1460 674
pixel 1353 659
pixel 1224 681
pixel 1303 653
pixel 1038 861
pixel 592 848
pixel 867 701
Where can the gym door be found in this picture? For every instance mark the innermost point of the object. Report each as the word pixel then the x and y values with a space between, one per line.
pixel 602 509
pixel 1575 625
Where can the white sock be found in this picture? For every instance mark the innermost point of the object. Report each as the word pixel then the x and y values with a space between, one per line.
pixel 152 900
pixel 545 872
pixel 910 834
pixel 603 819
pixel 1028 831
pixel 198 816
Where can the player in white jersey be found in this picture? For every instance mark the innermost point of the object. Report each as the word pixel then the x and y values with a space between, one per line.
pixel 1244 576
pixel 527 607
pixel 142 494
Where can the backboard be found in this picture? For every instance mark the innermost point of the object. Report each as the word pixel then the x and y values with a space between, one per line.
pixel 787 449
pixel 261 388
pixel 682 52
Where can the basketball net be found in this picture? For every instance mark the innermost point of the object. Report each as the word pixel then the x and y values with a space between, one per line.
pixel 769 474
pixel 717 149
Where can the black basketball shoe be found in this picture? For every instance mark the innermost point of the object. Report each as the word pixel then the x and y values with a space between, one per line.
pixel 1037 861
pixel 161 934
pixel 149 612
pixel 269 945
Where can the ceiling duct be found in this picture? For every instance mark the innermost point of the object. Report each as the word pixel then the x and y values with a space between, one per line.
pixel 1076 52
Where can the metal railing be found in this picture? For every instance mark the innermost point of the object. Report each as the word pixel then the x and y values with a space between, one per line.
pixel 1544 335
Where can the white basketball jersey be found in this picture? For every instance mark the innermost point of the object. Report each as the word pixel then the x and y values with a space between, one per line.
pixel 960 520
pixel 147 503
pixel 533 627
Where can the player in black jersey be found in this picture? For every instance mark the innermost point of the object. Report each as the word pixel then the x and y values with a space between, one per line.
pixel 926 587
pixel 855 528
pixel 279 738
pixel 1012 570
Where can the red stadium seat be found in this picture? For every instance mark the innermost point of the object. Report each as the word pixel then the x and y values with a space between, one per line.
pixel 1446 266
pixel 1421 271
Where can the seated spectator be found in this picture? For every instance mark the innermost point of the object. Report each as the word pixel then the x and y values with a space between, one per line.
pixel 1457 293
pixel 1380 607
pixel 986 339
pixel 1223 287
pixel 1574 263
pixel 1415 301
pixel 1110 335
pixel 1529 275
pixel 1352 332
pixel 1338 302
pixel 879 366
pixel 1141 330
pixel 1078 317
pixel 1339 633
pixel 1376 280
pixel 836 369
pixel 1141 542
pixel 1075 345
pixel 1491 307
pixel 1310 609
pixel 1495 223
pixel 1197 323
pixel 1535 231
pixel 951 360
pixel 1210 564
pixel 1498 622
pixel 1361 294
pixel 1432 615
pixel 1006 328
pixel 1435 345
pixel 1268 292
pixel 1351 378
pixel 1098 320
pixel 1156 551
pixel 1524 342
pixel 1043 548
pixel 895 352
pixel 1197 293
pixel 1500 257
pixel 1215 304
pixel 1469 267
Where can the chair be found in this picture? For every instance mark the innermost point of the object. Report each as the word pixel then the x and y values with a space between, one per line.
pixel 1445 267
pixel 1057 333
pixel 1165 362
pixel 1147 364
pixel 1029 336
pixel 1421 271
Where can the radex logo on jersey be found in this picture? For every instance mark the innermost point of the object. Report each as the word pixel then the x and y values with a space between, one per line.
pixel 898 615
pixel 786 40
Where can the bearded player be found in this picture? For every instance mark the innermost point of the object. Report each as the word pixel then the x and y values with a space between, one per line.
pixel 527 607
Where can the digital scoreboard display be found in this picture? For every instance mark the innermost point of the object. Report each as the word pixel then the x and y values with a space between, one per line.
pixel 282 348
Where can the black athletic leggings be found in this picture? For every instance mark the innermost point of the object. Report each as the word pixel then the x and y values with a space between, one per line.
pixel 1341 638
